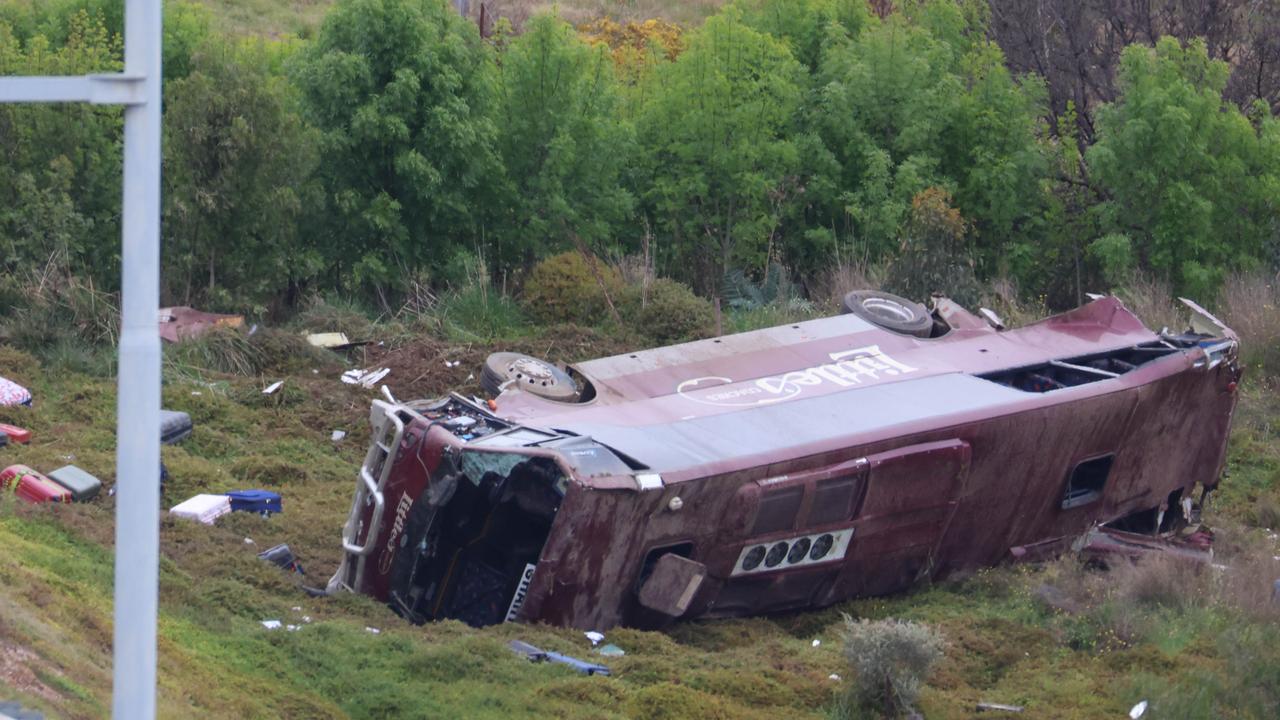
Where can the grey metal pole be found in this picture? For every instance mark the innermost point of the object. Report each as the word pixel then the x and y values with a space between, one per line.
pixel 138 404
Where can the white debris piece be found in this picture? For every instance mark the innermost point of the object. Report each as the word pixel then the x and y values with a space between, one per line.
pixel 273 387
pixel 373 630
pixel 1138 710
pixel 365 378
pixel 249 541
pixel 816 642
pixel 595 637
pixel 271 624
pixel 834 676
pixel 338 435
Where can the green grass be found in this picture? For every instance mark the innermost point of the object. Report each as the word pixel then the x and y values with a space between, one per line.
pixel 216 660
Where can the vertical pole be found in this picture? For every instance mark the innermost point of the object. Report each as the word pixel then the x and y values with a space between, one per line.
pixel 138 404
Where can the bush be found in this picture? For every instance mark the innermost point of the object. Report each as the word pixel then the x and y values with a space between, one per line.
pixel 934 256
pixel 565 288
pixel 672 313
pixel 890 660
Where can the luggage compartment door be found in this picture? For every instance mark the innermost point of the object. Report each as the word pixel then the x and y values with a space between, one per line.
pixel 911 496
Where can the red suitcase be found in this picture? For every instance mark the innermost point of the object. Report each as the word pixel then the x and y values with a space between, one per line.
pixel 33 487
pixel 16 434
pixel 10 475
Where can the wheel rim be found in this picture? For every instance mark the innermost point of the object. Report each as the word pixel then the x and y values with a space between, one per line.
pixel 888 309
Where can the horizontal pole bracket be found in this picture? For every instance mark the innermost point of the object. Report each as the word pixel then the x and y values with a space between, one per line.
pixel 107 89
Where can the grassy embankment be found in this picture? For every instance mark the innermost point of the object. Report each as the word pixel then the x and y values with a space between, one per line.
pixel 1192 643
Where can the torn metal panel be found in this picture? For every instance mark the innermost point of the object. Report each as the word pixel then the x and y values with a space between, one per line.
pixel 785 468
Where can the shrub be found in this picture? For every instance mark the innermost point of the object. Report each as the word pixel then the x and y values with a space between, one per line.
pixel 890 660
pixel 933 257
pixel 567 288
pixel 672 313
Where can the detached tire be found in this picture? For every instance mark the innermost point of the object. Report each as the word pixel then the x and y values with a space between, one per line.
pixel 534 376
pixel 890 312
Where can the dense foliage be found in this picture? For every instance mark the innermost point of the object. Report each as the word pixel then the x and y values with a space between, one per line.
pixel 399 145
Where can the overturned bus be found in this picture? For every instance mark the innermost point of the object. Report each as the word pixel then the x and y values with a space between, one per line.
pixel 785 468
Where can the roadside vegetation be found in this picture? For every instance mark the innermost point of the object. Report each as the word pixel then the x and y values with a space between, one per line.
pixel 621 175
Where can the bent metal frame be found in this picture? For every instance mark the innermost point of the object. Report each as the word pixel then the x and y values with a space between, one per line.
pixel 138 401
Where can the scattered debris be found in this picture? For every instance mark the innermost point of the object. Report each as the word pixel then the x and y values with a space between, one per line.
pixel 835 677
pixel 1138 710
pixel 273 387
pixel 22 436
pixel 816 642
pixel 249 541
pixel 82 486
pixel 11 393
pixel 372 630
pixel 594 637
pixel 184 323
pixel 610 650
pixel 997 707
pixel 203 508
pixel 365 378
pixel 338 435
pixel 271 624
pixel 534 654
pixel 258 501
pixel 283 557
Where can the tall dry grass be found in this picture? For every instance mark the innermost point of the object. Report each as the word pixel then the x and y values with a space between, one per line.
pixel 827 289
pixel 1152 300
pixel 1250 305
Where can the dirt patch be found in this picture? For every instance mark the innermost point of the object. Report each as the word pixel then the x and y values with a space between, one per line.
pixel 426 368
pixel 17 671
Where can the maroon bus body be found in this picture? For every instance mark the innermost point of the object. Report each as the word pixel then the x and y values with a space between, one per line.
pixel 787 468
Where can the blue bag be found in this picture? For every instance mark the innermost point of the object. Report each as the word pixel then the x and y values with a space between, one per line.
pixel 259 501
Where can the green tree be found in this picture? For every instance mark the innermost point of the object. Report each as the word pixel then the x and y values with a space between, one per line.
pixel 562 142
pixel 238 165
pixel 804 25
pixel 919 101
pixel 402 91
pixel 716 150
pixel 1191 181
pixel 60 164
